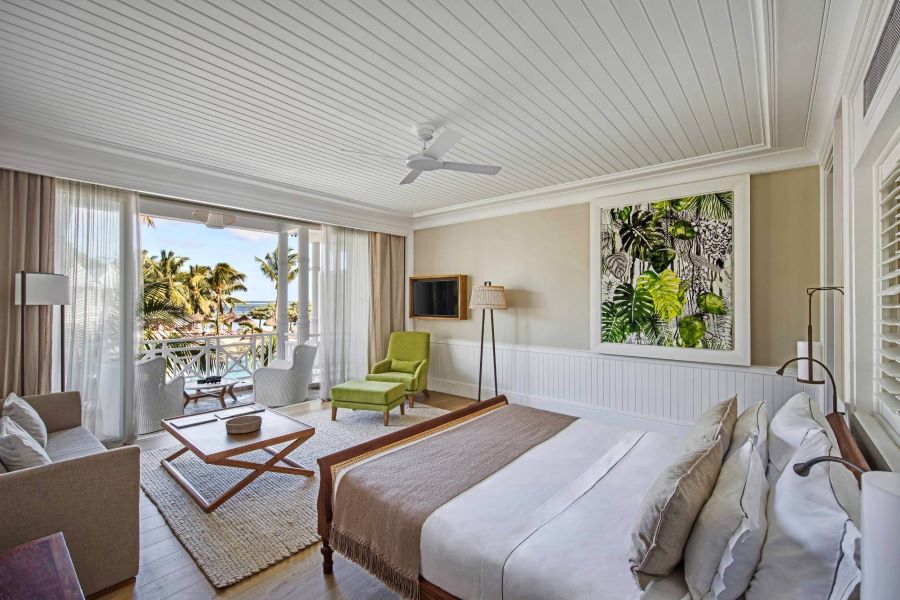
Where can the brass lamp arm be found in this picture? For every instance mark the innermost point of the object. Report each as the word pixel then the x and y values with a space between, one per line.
pixel 826 369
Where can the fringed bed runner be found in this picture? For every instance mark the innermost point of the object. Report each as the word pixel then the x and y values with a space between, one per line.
pixel 381 503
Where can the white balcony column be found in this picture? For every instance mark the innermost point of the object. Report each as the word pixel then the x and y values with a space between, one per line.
pixel 302 284
pixel 314 269
pixel 281 319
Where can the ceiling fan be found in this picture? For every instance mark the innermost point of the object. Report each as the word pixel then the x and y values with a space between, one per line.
pixel 429 159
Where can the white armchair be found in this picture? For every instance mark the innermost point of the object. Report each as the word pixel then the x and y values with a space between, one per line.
pixel 154 398
pixel 285 382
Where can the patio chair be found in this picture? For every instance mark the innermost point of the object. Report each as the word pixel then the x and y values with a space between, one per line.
pixel 154 398
pixel 285 382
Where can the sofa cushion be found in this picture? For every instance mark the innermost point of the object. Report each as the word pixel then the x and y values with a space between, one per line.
pixel 28 419
pixel 407 379
pixel 72 443
pixel 18 450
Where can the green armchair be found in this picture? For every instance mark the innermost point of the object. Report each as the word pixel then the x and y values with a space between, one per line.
pixel 406 363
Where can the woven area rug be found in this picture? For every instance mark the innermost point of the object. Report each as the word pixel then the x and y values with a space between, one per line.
pixel 272 518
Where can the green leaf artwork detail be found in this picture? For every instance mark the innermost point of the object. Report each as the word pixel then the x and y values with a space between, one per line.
pixel 613 324
pixel 667 272
pixel 711 304
pixel 665 290
pixel 635 305
pixel 640 237
pixel 691 329
pixel 682 230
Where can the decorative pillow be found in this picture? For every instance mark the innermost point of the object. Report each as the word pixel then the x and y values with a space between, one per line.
pixel 753 423
pixel 717 422
pixel 22 413
pixel 405 366
pixel 724 548
pixel 790 426
pixel 18 450
pixel 811 540
pixel 668 512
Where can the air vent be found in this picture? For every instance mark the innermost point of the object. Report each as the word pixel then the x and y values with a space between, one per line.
pixel 883 53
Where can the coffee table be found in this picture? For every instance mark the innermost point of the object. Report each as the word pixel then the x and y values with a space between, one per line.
pixel 212 444
pixel 211 390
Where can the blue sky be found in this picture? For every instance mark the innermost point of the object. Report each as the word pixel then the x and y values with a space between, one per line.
pixel 206 246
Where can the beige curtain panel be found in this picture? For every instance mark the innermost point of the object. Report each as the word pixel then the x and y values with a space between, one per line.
pixel 27 206
pixel 388 255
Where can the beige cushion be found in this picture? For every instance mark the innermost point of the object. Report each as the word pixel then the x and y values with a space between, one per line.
pixel 752 424
pixel 72 443
pixel 28 419
pixel 717 422
pixel 18 450
pixel 668 512
pixel 724 547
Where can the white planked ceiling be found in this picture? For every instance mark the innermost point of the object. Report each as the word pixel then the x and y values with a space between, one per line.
pixel 554 91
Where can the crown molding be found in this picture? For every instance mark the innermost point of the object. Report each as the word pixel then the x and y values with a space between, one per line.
pixel 48 152
pixel 747 160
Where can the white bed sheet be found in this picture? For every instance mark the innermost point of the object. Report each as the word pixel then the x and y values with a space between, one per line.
pixel 554 523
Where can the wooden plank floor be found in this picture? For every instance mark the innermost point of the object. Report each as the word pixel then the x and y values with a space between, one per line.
pixel 168 571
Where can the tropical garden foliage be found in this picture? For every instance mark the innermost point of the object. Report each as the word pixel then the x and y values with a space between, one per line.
pixel 176 295
pixel 667 273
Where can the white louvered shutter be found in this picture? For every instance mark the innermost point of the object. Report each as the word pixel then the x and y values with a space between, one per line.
pixel 888 332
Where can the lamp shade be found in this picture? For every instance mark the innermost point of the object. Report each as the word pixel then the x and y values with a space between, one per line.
pixel 488 297
pixel 42 289
pixel 880 512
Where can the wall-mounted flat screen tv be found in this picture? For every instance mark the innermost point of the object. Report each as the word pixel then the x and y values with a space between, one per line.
pixel 438 297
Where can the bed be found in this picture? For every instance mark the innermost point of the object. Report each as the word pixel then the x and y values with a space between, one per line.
pixel 553 520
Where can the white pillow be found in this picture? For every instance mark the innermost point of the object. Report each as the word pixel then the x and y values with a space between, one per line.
pixel 753 424
pixel 24 414
pixel 811 539
pixel 18 450
pixel 790 426
pixel 724 548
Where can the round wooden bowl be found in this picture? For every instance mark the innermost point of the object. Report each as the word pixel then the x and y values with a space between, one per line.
pixel 243 424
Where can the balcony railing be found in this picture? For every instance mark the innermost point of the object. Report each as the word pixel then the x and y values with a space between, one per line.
pixel 233 356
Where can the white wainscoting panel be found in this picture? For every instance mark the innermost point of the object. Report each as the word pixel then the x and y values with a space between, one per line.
pixel 646 393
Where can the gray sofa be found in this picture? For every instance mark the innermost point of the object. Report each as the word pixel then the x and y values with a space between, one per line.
pixel 89 493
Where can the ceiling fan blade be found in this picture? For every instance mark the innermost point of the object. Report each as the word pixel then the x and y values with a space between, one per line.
pixel 470 168
pixel 443 143
pixel 410 177
pixel 370 154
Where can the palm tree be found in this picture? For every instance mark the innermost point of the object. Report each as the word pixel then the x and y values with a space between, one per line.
pixel 224 280
pixel 196 280
pixel 157 310
pixel 168 270
pixel 268 266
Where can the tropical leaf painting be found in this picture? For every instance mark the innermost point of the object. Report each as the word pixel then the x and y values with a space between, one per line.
pixel 667 273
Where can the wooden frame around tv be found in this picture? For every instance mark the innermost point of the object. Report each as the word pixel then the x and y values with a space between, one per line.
pixel 462 300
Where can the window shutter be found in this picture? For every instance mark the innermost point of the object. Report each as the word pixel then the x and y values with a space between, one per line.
pixel 888 342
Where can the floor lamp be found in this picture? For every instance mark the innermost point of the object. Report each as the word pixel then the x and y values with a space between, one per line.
pixel 42 289
pixel 487 297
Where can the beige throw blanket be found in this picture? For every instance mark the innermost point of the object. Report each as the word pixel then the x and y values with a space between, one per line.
pixel 380 505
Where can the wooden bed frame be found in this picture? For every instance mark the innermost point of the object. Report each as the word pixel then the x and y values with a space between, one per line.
pixel 428 591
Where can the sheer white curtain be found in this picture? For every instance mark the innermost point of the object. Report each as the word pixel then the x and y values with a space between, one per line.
pixel 345 308
pixel 97 246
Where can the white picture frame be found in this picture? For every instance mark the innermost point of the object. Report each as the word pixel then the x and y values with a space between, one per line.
pixel 740 352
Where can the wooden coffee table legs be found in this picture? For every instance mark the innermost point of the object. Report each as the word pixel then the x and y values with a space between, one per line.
pixel 256 469
pixel 216 392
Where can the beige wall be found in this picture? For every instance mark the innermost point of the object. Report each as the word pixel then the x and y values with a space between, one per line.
pixel 542 258
pixel 784 260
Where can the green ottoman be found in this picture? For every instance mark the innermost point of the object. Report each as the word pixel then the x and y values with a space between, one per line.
pixel 368 395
